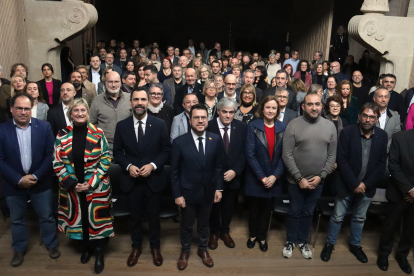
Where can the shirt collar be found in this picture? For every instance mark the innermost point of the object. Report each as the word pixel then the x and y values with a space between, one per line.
pixel 195 136
pixel 64 106
pixel 220 124
pixel 108 95
pixel 30 122
pixel 144 120
pixel 363 135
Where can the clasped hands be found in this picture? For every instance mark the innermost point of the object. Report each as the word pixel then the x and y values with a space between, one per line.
pixel 360 189
pixel 83 187
pixel 410 196
pixel 311 183
pixel 27 181
pixel 268 182
pixel 180 201
pixel 144 171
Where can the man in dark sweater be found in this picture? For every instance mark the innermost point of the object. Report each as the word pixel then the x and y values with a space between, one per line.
pixel 359 89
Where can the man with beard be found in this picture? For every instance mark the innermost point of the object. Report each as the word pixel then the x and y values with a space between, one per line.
pixel 110 107
pixel 102 55
pixel 129 79
pixel 335 70
pixel 191 86
pixel 230 92
pixel 81 92
pixel 361 159
pixel 109 61
pixel 150 74
pixel 141 148
pixel 309 153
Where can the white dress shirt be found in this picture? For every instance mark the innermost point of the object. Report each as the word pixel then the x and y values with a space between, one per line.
pixel 65 112
pixel 221 127
pixel 96 78
pixel 195 137
pixel 234 96
pixel 192 49
pixel 383 119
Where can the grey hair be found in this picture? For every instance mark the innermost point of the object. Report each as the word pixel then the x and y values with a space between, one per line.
pixel 177 65
pixel 272 56
pixel 226 102
pixel 158 85
pixel 249 71
pixel 378 89
pixel 279 90
pixel 74 104
pixel 143 55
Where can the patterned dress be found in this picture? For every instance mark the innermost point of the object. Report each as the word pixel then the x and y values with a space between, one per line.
pixel 99 200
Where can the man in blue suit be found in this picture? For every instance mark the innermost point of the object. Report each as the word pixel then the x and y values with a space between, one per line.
pixel 197 181
pixel 109 61
pixel 26 154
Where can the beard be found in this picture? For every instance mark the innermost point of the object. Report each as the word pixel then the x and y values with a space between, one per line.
pixel 113 91
pixel 76 84
pixel 139 109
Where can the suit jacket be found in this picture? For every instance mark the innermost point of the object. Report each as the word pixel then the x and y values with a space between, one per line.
pixel 155 148
pixel 90 73
pixel 289 116
pixel 42 110
pixel 392 125
pixel 401 165
pixel 170 83
pixel 315 79
pixel 235 159
pixel 116 68
pixel 42 156
pixel 101 88
pixel 396 104
pixel 56 118
pixel 349 160
pixel 88 95
pixel 292 103
pixel 56 91
pixel 90 86
pixel 180 93
pixel 179 125
pixel 220 95
pixel 193 177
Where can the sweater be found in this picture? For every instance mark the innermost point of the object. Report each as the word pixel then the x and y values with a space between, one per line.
pixel 309 148
pixel 271 71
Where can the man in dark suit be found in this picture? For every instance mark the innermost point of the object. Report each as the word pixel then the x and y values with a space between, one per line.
pixel 233 134
pixel 150 73
pixel 141 148
pixel 197 181
pixel 109 61
pixel 57 115
pixel 281 81
pixel 26 155
pixel 286 114
pixel 361 159
pixel 248 78
pixel 230 83
pixel 122 60
pixel 191 86
pixel 95 71
pixel 176 82
pixel 400 195
pixel 170 52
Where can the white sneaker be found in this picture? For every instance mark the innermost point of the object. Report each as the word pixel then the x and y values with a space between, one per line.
pixel 288 250
pixel 306 252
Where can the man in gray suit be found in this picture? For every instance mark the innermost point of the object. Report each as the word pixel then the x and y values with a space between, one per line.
pixel 181 124
pixel 389 120
pixel 286 114
pixel 176 82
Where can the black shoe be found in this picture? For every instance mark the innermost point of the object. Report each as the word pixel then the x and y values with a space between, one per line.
pixel 251 243
pixel 99 262
pixel 263 246
pixel 382 263
pixel 359 254
pixel 86 256
pixel 404 265
pixel 327 252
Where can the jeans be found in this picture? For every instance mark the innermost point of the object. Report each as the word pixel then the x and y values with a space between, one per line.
pixel 302 205
pixel 359 204
pixel 42 204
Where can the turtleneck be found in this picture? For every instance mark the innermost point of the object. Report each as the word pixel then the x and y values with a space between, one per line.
pixel 309 119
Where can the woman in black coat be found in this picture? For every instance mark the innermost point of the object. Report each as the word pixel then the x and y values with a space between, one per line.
pixel 157 108
pixel 49 86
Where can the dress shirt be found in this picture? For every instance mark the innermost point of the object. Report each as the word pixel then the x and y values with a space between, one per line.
pixel 383 119
pixel 221 127
pixel 282 115
pixel 195 138
pixel 65 112
pixel 234 97
pixel 190 89
pixel 24 138
pixel 192 49
pixel 366 149
pixel 112 101
pixel 96 78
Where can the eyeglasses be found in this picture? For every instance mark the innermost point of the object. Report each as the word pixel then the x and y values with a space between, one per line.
pixel 211 87
pixel 231 84
pixel 282 97
pixel 113 82
pixel 21 109
pixel 155 94
pixel 202 72
pixel 198 118
pixel 248 93
pixel 371 118
pixel 334 106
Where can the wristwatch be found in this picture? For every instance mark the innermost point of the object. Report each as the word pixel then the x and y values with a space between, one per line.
pixel 322 178
pixel 299 179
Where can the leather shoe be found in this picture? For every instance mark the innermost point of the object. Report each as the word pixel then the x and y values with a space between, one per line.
pixel 18 258
pixel 183 260
pixel 228 241
pixel 251 243
pixel 263 246
pixel 99 261
pixel 205 257
pixel 327 252
pixel 54 252
pixel 157 258
pixel 382 263
pixel 212 242
pixel 86 256
pixel 404 265
pixel 359 254
pixel 133 257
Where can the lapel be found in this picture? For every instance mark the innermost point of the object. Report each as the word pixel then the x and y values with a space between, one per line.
pixel 358 145
pixel 148 131
pixel 34 134
pixel 184 122
pixel 233 138
pixel 15 141
pixel 131 133
pixel 193 148
pixel 61 115
pixel 209 147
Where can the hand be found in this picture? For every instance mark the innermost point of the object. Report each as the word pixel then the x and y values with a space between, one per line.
pixel 82 187
pixel 146 170
pixel 270 181
pixel 304 184
pixel 360 189
pixel 265 181
pixel 180 201
pixel 314 182
pixel 27 181
pixel 335 166
pixel 229 175
pixel 134 171
pixel 408 197
pixel 411 193
pixel 217 197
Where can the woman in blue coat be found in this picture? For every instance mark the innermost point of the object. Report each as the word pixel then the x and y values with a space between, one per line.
pixel 265 167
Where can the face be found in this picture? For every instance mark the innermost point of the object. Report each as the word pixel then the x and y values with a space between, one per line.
pixel 122 45
pixel 217 46
pixel 113 82
pixel 141 73
pixel 253 65
pixel 287 55
pixel 156 50
pixel 166 64
pixel 382 98
pixel 211 90
pixel 190 76
pixel 258 73
pixel 204 73
pixel 236 72
pixel 67 93
pixel 143 58
pixel 20 71
pixel 130 66
pixel 84 74
pixel 134 52
pixel 187 54
pixel 303 66
pixel 18 83
pixel 212 58
pixel 282 99
pixel 234 61
pixel 190 42
pixel 288 70
pixel 189 101
pixel 149 77
pixel 139 103
pixel 334 108
pixel 76 79
pixel 247 96
pixel 274 82
pixel 22 111
pixel 155 96
pixel 367 119
pixel 197 63
pixel 319 69
pixel 248 78
pixel 357 77
pixel 109 59
pixel 95 63
pixel 272 60
pixel 79 114
pixel 281 80
pixel 113 43
pixel 325 66
pixel 202 45
pixel 334 67
pixel 256 56
pixel 239 55
pixel 277 56
pixel 123 54
pixel 270 110
pixel 136 44
pixel 230 83
pixel 316 56
pixel 225 63
pixel 246 60
pixel 215 67
pixel 170 51
pixel 153 57
pixel 183 61
pixel 345 90
pixel 102 53
pixel 177 51
pixel 331 83
pixel 47 72
pixel 226 115
pixel 33 90
pixel 295 55
pixel 219 82
pixel 198 120
pixel 389 83
pixel 313 106
pixel 130 81
pixel 177 72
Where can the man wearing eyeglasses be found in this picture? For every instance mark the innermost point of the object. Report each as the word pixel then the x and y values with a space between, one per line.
pixel 230 83
pixel 150 74
pixel 361 159
pixel 335 70
pixel 286 114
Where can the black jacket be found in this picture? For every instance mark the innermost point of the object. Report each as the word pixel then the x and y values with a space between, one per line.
pixel 56 118
pixel 56 91
pixel 181 92
pixel 292 104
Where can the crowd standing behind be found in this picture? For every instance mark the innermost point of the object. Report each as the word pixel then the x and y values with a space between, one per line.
pixel 225 123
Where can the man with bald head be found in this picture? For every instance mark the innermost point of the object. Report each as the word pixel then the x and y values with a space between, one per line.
pixel 183 61
pixel 359 89
pixel 335 70
pixel 109 108
pixel 191 86
pixel 109 61
pixel 230 83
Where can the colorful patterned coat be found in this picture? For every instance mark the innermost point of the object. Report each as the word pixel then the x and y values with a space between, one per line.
pixel 99 201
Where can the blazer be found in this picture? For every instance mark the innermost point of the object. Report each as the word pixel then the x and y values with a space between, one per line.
pixel 88 95
pixel 56 118
pixel 90 86
pixel 350 113
pixel 42 155
pixel 235 159
pixel 166 114
pixel 349 160
pixel 315 79
pixel 392 125
pixel 258 159
pixel 155 148
pixel 292 103
pixel 42 110
pixel 179 126
pixel 180 93
pixel 401 165
pixel 116 68
pixel 190 175
pixel 101 88
pixel 90 73
pixel 56 91
pixel 170 83
pixel 220 96
pixel 396 104
pixel 289 116
pixel 308 78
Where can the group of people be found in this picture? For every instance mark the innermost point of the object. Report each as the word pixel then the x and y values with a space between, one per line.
pixel 221 131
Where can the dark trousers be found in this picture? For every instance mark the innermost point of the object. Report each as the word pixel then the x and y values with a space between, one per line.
pixel 396 212
pixel 142 200
pixel 222 212
pixel 259 217
pixel 201 211
pixel 302 205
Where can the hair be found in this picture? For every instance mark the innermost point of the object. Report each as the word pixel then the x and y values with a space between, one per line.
pixel 14 98
pixel 14 67
pixel 198 59
pixel 299 86
pixel 138 89
pixel 327 63
pixel 380 78
pixel 132 63
pixel 315 88
pixel 339 89
pixel 197 107
pixel 319 53
pixel 247 87
pixel 39 89
pixel 74 104
pixel 272 55
pixel 279 90
pixel 167 58
pixel 186 49
pixel 282 71
pixel 125 74
pixel 226 102
pixel 334 98
pixel 177 65
pixel 186 95
pixel 378 89
pixel 157 85
pixel 48 65
pixel 390 76
pixel 248 71
pixel 263 71
pixel 292 52
pixel 133 49
pixel 12 93
pixel 259 112
pixel 373 106
pixel 152 68
pixel 207 85
pixel 215 61
pixel 76 71
pixel 198 72
pixel 82 67
pixel 308 69
pixel 291 69
pixel 236 53
pixel 237 66
pixel 106 71
pixel 331 76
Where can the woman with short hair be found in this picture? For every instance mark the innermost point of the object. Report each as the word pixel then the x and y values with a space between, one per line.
pixel 166 71
pixel 333 107
pixel 210 93
pixel 261 77
pixel 203 73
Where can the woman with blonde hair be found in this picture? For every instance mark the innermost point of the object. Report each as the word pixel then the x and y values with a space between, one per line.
pixel 247 104
pixel 350 103
pixel 210 92
pixel 203 73
pixel 198 61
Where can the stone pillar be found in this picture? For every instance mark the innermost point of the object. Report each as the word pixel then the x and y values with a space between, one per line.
pixel 48 25
pixel 391 37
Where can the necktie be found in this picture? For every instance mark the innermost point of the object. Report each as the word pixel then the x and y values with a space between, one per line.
pixel 200 147
pixel 140 134
pixel 191 89
pixel 226 140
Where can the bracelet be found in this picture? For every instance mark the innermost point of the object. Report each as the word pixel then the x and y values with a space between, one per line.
pixel 320 176
pixel 299 179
